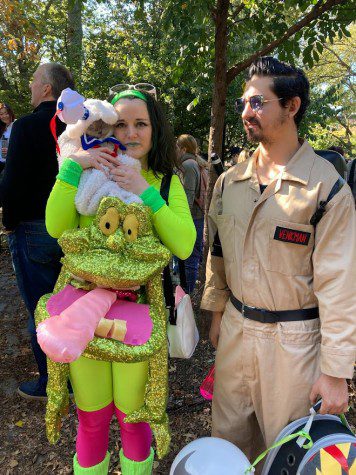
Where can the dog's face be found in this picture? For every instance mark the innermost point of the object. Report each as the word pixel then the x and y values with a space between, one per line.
pixel 100 129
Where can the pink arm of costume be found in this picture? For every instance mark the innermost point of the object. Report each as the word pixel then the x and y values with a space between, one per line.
pixel 64 337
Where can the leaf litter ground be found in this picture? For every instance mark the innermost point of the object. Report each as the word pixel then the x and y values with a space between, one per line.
pixel 24 448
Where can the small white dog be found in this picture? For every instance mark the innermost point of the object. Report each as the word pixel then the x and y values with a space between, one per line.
pixel 95 184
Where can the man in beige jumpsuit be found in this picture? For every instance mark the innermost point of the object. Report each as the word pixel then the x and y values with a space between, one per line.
pixel 265 258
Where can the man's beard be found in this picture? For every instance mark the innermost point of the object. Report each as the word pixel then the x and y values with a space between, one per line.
pixel 255 134
pixel 258 134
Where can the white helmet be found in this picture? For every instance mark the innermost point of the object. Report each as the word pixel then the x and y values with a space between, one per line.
pixel 210 456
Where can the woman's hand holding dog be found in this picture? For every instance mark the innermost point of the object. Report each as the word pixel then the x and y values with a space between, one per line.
pixel 94 158
pixel 129 178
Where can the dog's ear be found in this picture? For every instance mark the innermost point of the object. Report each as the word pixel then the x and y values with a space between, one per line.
pixel 98 110
pixel 102 110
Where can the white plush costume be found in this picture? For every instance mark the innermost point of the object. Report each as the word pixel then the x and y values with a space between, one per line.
pixel 98 121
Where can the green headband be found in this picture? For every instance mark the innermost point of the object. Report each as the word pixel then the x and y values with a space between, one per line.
pixel 128 93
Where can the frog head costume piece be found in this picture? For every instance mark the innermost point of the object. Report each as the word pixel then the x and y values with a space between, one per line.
pixel 119 252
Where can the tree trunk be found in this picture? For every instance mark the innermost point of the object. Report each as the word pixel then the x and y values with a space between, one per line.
pixel 217 119
pixel 75 37
pixel 220 83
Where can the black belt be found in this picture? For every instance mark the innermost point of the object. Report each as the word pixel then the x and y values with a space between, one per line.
pixel 268 316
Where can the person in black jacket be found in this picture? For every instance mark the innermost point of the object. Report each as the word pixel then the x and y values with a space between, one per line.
pixel 29 175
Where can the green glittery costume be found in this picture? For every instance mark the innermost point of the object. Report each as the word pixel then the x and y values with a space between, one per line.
pixel 116 254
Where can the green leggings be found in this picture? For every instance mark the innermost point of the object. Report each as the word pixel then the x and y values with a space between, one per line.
pixel 97 383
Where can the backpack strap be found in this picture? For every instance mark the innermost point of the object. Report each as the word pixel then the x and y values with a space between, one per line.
pixel 223 185
pixel 314 220
pixel 165 185
pixel 351 178
pixel 200 167
pixel 217 248
pixel 168 290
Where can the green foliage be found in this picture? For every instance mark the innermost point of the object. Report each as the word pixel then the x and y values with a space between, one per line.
pixel 332 111
pixel 172 45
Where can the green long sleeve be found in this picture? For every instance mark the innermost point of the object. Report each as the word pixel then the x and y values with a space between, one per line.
pixel 173 223
pixel 61 213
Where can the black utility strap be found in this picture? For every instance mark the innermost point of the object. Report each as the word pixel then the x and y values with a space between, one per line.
pixel 351 179
pixel 167 279
pixel 314 220
pixel 217 248
pixel 165 185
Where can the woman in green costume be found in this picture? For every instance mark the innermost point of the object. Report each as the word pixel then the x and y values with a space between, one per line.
pixel 102 388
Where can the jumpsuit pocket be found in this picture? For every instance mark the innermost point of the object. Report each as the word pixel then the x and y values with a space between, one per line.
pixel 226 229
pixel 290 248
pixel 300 333
pixel 298 358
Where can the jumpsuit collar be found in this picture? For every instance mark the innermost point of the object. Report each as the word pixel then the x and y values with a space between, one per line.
pixel 297 169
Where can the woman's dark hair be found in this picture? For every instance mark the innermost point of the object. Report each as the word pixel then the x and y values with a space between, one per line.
pixel 11 113
pixel 162 158
pixel 288 81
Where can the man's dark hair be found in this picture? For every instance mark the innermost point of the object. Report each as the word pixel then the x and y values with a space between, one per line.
pixel 288 81
pixel 162 158
pixel 59 77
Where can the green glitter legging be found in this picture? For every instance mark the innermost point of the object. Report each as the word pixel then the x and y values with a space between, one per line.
pixel 97 383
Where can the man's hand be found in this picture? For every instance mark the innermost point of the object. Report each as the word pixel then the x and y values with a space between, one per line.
pixel 215 328
pixel 334 393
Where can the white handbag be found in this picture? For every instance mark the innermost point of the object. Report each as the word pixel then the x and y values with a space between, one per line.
pixel 183 333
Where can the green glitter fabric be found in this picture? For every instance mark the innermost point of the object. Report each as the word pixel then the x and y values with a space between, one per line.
pixel 118 250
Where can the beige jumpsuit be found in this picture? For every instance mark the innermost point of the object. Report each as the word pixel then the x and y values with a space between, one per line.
pixel 274 259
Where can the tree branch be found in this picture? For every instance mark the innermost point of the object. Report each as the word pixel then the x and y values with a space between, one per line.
pixel 237 12
pixel 341 141
pixel 345 125
pixel 340 60
pixel 315 13
pixel 47 7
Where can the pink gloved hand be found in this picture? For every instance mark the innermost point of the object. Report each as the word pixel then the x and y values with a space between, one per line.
pixel 64 337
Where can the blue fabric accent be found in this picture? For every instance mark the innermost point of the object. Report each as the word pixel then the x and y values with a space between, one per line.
pixel 89 142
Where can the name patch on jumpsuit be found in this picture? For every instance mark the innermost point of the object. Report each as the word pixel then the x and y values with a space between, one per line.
pixel 291 235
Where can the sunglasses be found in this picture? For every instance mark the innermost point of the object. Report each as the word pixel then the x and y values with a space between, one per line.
pixel 256 103
pixel 141 86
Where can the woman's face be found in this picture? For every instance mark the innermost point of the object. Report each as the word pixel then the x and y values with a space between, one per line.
pixel 5 116
pixel 134 128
